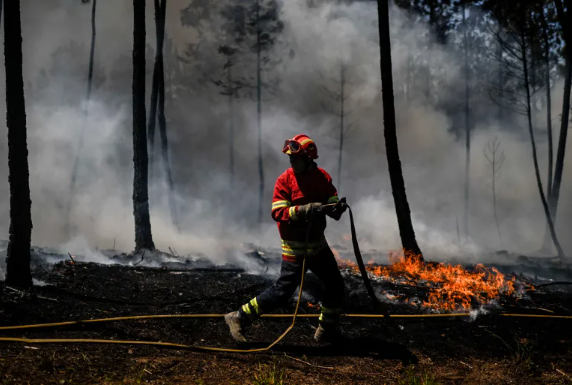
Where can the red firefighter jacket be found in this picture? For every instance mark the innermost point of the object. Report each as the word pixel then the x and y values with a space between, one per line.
pixel 291 191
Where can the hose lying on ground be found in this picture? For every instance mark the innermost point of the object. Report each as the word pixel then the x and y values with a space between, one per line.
pixel 367 283
pixel 166 316
pixel 182 346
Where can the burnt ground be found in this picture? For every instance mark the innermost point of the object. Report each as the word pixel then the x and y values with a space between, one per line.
pixel 487 350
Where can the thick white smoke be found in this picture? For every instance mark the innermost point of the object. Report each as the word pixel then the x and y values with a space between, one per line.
pixel 216 219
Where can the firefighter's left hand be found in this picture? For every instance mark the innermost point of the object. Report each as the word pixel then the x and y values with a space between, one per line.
pixel 341 206
pixel 338 209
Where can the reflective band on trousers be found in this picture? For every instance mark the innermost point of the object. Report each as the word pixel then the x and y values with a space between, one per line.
pixel 330 314
pixel 280 204
pixel 296 248
pixel 253 304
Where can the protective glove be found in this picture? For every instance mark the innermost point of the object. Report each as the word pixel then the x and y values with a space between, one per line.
pixel 309 210
pixel 340 208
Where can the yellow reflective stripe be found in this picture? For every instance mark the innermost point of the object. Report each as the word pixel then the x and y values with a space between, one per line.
pixel 306 141
pixel 280 204
pixel 298 248
pixel 334 199
pixel 246 309
pixel 297 252
pixel 254 305
pixel 302 245
pixel 292 213
pixel 329 314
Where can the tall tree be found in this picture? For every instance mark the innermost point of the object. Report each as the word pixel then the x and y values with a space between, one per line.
pixel 496 161
pixel 520 41
pixel 437 14
pixel 546 45
pixel 157 109
pixel 163 123
pixel 467 123
pixel 143 236
pixel 230 88
pixel 226 36
pixel 545 15
pixel 160 9
pixel 338 107
pixel 565 21
pixel 18 252
pixel 390 133
pixel 255 29
pixel 248 31
pixel 85 116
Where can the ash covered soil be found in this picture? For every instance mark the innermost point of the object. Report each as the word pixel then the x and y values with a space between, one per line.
pixel 486 350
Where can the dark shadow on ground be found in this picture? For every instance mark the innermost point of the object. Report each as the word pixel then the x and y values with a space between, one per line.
pixel 350 347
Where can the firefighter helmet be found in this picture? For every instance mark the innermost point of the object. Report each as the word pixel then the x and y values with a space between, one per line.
pixel 301 144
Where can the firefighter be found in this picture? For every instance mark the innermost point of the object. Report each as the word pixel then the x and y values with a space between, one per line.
pixel 298 195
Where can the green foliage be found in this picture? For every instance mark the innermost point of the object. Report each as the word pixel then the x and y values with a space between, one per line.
pixel 521 354
pixel 412 378
pixel 269 374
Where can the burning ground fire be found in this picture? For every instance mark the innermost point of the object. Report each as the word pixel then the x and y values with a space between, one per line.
pixel 448 287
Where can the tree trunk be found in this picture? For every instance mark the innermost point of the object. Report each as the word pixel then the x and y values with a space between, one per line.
pixel 143 236
pixel 546 246
pixel 561 151
pixel 408 77
pixel 390 133
pixel 342 101
pixel 163 123
pixel 494 191
pixel 160 36
pixel 75 166
pixel 18 253
pixel 467 129
pixel 500 81
pixel 259 113
pixel 533 144
pixel 230 124
pixel 564 19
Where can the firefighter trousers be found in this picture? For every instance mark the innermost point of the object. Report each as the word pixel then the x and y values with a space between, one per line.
pixel 324 266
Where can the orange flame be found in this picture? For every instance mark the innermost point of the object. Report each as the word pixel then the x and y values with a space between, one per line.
pixel 314 306
pixel 449 287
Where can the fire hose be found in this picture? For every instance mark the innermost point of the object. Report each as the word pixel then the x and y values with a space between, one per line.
pixel 294 316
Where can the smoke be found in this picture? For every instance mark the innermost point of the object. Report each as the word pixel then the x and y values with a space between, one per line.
pixel 217 217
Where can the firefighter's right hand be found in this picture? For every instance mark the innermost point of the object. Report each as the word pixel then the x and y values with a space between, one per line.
pixel 309 210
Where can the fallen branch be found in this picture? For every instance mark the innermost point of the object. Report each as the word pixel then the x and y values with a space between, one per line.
pixel 310 364
pixel 467 365
pixel 13 289
pixel 564 374
pixel 550 284
pixel 49 299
